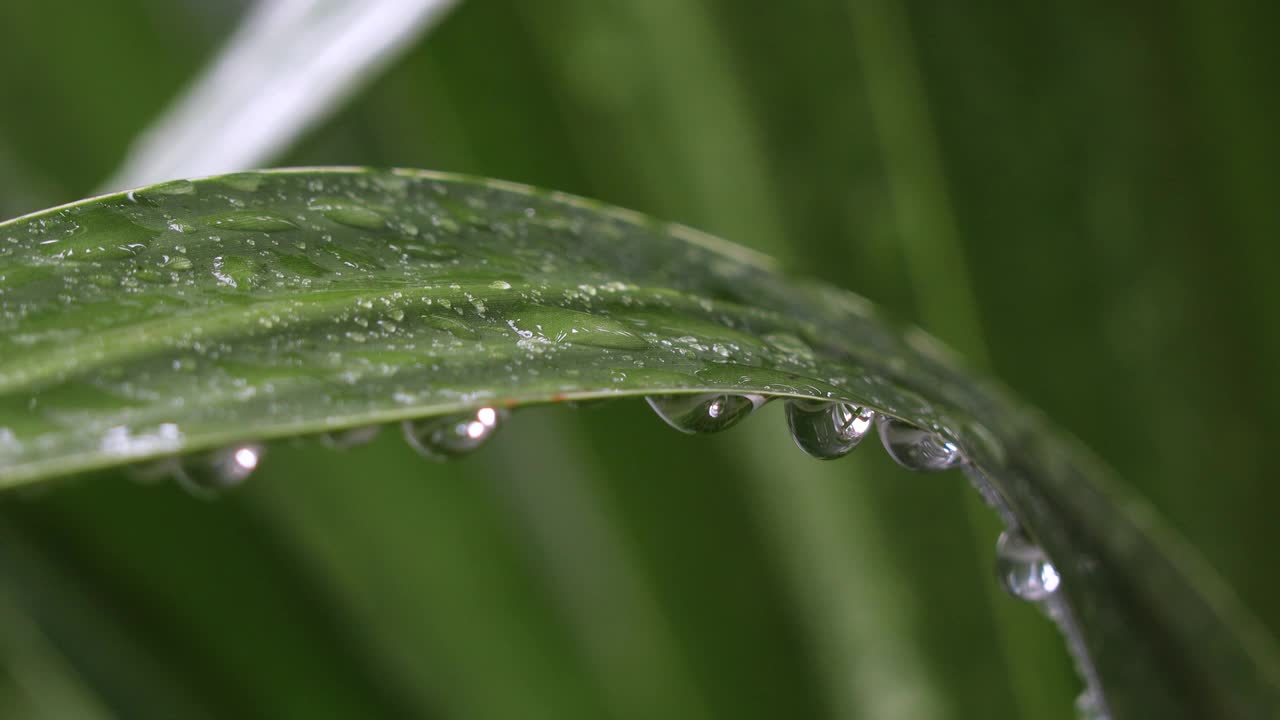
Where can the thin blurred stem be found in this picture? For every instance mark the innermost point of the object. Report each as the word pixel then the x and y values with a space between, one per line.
pixel 289 64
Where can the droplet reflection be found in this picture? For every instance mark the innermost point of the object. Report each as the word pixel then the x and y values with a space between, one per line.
pixel 916 448
pixel 216 472
pixel 1023 569
pixel 351 437
pixel 441 438
pixel 827 430
pixel 707 413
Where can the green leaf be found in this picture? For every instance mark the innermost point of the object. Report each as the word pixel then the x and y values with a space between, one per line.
pixel 190 315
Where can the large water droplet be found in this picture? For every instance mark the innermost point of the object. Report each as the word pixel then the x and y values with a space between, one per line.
pixel 1023 569
pixel 349 213
pixel 563 326
pixel 916 448
pixel 707 413
pixel 173 187
pixel 351 437
pixel 441 438
pixel 235 271
pixel 437 252
pixel 247 181
pixel 212 473
pixel 827 430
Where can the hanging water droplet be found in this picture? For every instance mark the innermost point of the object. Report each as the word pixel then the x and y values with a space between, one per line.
pixel 707 413
pixel 827 430
pixel 209 474
pixel 1023 569
pixel 351 437
pixel 440 438
pixel 915 448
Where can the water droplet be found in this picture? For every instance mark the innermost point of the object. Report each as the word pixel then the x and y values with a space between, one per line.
pixel 98 232
pixel 247 182
pixel 174 187
pixel 790 345
pixel 563 326
pixel 707 413
pixel 351 437
pixel 437 252
pixel 248 221
pixel 351 214
pixel 454 327
pixel 440 438
pixel 212 473
pixel 300 265
pixel 238 272
pixel 827 430
pixel 1023 569
pixel 916 448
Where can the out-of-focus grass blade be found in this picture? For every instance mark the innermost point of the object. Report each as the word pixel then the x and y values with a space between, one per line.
pixel 289 64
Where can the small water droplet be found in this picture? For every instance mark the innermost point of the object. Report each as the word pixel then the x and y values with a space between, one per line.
pixel 351 437
pixel 711 412
pixel 1023 569
pixel 827 430
pixel 915 448
pixel 212 473
pixel 440 438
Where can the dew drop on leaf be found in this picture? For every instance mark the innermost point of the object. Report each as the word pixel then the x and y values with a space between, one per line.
pixel 247 181
pixel 916 448
pixel 440 438
pixel 438 252
pixel 212 473
pixel 711 412
pixel 1023 569
pixel 351 214
pixel 174 187
pixel 827 430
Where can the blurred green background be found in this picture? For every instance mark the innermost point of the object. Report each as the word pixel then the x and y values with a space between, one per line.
pixel 1081 197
